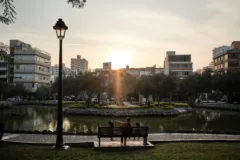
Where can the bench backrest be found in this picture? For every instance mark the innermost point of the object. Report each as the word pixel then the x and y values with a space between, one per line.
pixel 123 131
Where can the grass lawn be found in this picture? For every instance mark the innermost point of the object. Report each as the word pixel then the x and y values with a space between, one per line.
pixel 165 151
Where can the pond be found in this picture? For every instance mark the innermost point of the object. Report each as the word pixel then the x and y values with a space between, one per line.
pixel 44 118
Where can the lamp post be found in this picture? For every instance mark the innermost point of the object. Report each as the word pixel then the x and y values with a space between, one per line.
pixel 60 28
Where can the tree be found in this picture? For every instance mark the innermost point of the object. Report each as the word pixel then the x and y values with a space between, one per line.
pixel 3 90
pixel 145 87
pixel 100 88
pixel 168 85
pixel 9 13
pixel 4 49
pixel 128 86
pixel 90 84
pixel 190 86
pixel 17 90
pixel 157 82
pixel 42 92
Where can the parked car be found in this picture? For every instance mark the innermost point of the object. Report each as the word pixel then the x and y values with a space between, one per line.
pixel 14 99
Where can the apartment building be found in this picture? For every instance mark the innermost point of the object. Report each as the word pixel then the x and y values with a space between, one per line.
pixel 55 72
pixel 31 66
pixel 79 65
pixel 219 50
pixel 178 65
pixel 230 59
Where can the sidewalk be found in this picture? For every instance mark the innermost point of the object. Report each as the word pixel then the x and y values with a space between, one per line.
pixel 159 137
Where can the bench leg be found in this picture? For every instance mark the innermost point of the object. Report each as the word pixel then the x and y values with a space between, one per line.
pixel 125 141
pixel 99 142
pixel 144 141
pixel 121 139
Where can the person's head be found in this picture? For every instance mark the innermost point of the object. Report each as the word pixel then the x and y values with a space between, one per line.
pixel 110 123
pixel 128 120
pixel 138 124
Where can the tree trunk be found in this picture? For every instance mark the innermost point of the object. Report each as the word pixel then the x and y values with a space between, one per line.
pixel 75 98
pixel 99 96
pixel 170 99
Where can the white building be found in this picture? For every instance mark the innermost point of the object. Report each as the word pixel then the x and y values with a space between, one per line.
pixel 138 72
pixel 178 65
pixel 55 72
pixel 66 71
pixel 79 65
pixel 218 50
pixel 31 65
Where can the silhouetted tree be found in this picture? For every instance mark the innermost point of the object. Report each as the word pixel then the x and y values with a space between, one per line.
pixel 9 13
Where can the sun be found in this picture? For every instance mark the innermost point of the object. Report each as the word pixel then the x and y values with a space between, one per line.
pixel 119 58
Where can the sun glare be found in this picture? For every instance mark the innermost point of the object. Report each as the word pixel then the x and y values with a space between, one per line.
pixel 119 58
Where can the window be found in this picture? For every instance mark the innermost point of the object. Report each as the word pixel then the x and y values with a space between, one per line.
pixel 226 64
pixel 17 66
pixel 3 65
pixel 226 57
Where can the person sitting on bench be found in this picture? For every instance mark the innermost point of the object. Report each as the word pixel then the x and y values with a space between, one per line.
pixel 126 124
pixel 111 126
pixel 137 131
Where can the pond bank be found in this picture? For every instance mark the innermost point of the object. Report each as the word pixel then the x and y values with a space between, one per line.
pixel 124 112
pixel 222 106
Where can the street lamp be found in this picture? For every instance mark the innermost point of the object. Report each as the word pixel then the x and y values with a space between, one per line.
pixel 60 28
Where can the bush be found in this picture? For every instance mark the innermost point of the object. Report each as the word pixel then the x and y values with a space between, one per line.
pixel 76 105
pixel 152 105
pixel 168 107
pixel 164 103
pixel 180 104
pixel 161 103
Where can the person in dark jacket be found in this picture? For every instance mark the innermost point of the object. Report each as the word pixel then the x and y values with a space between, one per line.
pixel 111 126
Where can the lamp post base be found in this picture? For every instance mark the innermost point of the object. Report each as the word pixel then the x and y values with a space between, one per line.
pixel 63 147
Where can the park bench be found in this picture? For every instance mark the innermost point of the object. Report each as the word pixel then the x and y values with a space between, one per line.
pixel 123 133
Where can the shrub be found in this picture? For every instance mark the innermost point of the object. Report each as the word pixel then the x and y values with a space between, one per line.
pixel 180 104
pixel 161 103
pixel 77 105
pixel 164 103
pixel 168 107
pixel 152 105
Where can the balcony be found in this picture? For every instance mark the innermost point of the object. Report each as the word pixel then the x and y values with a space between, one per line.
pixel 180 69
pixel 31 71
pixel 32 51
pixel 3 76
pixel 45 64
pixel 3 69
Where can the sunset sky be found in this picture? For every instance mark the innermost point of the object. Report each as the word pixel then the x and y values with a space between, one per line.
pixel 127 32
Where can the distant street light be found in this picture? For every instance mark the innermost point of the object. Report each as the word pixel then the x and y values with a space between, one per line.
pixel 60 28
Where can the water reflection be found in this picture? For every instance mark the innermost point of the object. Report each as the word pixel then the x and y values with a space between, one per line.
pixel 44 118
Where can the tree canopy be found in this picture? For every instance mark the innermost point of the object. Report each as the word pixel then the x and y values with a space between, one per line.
pixel 9 14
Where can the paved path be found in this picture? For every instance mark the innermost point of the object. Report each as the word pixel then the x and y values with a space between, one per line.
pixel 181 109
pixel 159 137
